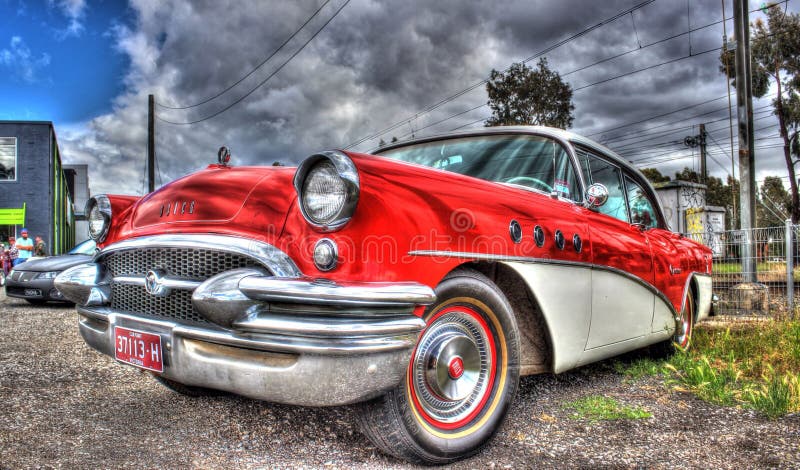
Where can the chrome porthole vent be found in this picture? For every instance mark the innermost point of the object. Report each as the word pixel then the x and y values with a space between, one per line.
pixel 538 236
pixel 577 243
pixel 451 367
pixel 515 231
pixel 559 237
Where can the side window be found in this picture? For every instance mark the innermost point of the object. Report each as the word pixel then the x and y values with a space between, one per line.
pixel 642 208
pixel 597 170
pixel 566 181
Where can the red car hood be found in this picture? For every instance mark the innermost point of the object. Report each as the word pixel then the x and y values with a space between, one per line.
pixel 244 197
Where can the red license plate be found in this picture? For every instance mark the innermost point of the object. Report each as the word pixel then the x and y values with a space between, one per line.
pixel 138 348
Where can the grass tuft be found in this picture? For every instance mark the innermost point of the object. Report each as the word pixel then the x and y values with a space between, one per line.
pixel 597 408
pixel 641 367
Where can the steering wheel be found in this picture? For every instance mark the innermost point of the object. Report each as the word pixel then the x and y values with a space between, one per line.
pixel 531 182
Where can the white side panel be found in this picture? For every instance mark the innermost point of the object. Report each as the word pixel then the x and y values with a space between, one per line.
pixel 663 318
pixel 622 309
pixel 564 295
pixel 611 350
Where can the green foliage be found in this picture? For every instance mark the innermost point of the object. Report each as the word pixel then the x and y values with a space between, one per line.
pixel 775 203
pixel 526 96
pixel 753 365
pixel 716 384
pixel 642 367
pixel 654 176
pixel 596 408
pixel 779 395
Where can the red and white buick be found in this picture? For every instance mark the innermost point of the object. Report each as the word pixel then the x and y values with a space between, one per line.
pixel 421 280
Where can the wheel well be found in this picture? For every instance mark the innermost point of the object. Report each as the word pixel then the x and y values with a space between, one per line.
pixel 535 343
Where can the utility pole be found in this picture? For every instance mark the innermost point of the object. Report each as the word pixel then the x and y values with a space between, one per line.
pixel 744 105
pixel 703 156
pixel 730 118
pixel 151 144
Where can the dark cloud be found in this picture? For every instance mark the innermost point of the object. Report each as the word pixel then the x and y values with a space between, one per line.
pixel 376 64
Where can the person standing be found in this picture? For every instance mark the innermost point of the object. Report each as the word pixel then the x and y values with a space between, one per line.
pixel 10 255
pixel 25 247
pixel 39 247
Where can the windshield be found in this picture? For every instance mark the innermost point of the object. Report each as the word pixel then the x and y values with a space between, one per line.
pixel 84 248
pixel 525 160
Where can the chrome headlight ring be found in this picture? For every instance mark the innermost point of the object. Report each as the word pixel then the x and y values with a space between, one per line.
pixel 340 205
pixel 98 214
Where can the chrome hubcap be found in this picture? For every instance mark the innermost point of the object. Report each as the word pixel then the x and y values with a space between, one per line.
pixel 451 367
pixel 682 333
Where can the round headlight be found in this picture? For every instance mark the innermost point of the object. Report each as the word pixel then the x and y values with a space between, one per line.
pixel 324 193
pixel 98 215
pixel 327 187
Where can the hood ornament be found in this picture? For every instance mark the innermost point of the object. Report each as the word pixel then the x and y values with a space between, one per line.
pixel 224 156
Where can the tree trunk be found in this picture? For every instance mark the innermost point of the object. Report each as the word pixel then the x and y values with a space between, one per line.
pixel 786 154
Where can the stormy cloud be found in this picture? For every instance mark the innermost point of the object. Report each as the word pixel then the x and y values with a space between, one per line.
pixel 380 63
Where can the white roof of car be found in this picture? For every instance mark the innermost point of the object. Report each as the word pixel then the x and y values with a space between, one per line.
pixel 560 134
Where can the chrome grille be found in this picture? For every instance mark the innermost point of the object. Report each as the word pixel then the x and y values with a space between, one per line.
pixel 133 299
pixel 186 263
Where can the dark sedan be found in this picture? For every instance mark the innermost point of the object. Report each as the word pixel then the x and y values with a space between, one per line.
pixel 33 280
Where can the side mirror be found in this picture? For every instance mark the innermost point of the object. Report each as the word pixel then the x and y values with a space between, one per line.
pixel 596 195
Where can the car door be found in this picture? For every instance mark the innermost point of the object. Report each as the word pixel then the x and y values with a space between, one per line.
pixel 622 259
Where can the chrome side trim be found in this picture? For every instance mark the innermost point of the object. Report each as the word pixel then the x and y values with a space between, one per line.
pixel 274 259
pixel 283 343
pixel 549 261
pixel 330 326
pixel 168 282
pixel 324 292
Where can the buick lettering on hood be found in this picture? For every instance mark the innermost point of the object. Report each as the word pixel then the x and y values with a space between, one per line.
pixel 419 281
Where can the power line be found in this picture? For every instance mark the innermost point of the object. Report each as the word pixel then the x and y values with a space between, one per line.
pixel 255 68
pixel 577 70
pixel 672 61
pixel 483 82
pixel 670 123
pixel 266 79
pixel 645 149
pixel 646 136
pixel 689 31
pixel 691 54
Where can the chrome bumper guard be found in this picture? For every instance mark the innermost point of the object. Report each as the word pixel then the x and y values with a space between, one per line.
pixel 289 340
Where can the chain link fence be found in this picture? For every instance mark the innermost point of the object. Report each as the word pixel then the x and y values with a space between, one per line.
pixel 755 272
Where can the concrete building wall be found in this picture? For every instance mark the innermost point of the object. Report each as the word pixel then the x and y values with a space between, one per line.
pixel 33 176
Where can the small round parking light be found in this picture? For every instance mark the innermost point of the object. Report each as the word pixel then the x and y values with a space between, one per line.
pixel 326 254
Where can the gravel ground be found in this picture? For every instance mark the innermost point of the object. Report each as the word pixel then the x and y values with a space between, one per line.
pixel 64 405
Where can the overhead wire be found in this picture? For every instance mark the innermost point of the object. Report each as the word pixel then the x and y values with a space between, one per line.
pixel 275 72
pixel 251 72
pixel 398 124
pixel 593 64
pixel 483 82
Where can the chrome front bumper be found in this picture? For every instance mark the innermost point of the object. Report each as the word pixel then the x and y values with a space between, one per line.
pixel 288 340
